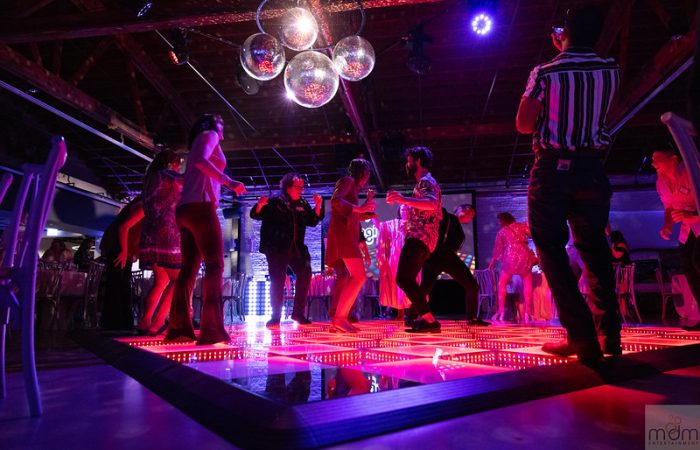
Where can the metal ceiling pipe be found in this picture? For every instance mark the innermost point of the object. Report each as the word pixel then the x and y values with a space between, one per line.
pixel 72 120
pixel 671 78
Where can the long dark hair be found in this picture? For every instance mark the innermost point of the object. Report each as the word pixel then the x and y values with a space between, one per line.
pixel 358 167
pixel 506 218
pixel 161 161
pixel 616 237
pixel 207 122
pixel 288 180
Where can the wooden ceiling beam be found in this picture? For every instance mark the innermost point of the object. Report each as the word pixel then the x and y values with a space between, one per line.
pixel 51 84
pixel 135 96
pixel 611 28
pixel 28 7
pixel 143 62
pixel 155 76
pixel 90 61
pixel 664 63
pixel 104 23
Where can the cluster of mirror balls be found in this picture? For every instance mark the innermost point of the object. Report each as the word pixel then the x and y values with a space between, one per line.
pixel 311 78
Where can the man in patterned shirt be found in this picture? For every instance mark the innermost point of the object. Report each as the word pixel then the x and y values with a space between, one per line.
pixel 422 229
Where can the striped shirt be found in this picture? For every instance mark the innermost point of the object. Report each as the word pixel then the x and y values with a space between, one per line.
pixel 576 89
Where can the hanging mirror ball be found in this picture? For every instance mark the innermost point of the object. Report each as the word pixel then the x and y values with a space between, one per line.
pixel 353 58
pixel 298 29
pixel 310 80
pixel 262 56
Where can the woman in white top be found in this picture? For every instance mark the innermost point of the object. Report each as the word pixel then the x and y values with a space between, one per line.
pixel 200 234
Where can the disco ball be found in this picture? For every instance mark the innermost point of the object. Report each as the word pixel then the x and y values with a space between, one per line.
pixel 353 58
pixel 298 29
pixel 262 56
pixel 310 79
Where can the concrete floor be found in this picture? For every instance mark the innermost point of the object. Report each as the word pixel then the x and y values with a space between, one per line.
pixel 89 404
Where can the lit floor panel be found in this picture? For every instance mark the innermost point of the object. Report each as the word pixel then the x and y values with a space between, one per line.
pixel 275 362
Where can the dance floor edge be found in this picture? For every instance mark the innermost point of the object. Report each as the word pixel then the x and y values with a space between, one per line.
pixel 250 420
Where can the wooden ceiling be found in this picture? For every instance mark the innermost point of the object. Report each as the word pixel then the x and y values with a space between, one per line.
pixel 96 61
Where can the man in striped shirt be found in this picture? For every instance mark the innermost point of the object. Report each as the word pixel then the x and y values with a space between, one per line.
pixel 564 107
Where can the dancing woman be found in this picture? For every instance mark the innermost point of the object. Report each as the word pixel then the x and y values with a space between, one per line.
pixel 516 259
pixel 200 234
pixel 160 237
pixel 343 248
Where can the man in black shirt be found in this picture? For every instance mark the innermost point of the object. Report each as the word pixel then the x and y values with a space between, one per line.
pixel 444 259
pixel 285 217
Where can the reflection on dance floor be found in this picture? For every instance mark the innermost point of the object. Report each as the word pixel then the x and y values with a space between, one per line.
pixel 300 364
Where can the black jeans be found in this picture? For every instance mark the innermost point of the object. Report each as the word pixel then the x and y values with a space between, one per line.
pixel 277 263
pixel 575 189
pixel 444 260
pixel 690 263
pixel 117 303
pixel 413 255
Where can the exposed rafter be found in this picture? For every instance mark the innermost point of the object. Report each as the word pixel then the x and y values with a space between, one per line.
pixel 29 7
pixel 144 64
pixel 65 92
pixel 665 62
pixel 104 23
pixel 90 61
pixel 611 29
pixel 155 76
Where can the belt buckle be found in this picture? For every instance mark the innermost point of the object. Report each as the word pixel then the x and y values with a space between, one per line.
pixel 563 165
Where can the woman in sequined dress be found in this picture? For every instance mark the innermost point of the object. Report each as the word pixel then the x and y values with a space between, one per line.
pixel 516 258
pixel 160 237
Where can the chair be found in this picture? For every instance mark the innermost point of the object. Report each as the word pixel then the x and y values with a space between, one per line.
pixel 48 290
pixel 371 293
pixel 488 288
pixel 319 292
pixel 196 301
pixel 92 289
pixel 665 295
pixel 624 288
pixel 18 269
pixel 234 294
pixel 288 296
pixel 137 295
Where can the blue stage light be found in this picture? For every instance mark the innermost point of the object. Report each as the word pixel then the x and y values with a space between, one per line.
pixel 482 24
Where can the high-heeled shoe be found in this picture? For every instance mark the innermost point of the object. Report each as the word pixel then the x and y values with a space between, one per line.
pixel 528 318
pixel 498 317
pixel 342 326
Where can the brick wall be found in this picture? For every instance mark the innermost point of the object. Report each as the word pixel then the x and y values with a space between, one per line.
pixel 254 263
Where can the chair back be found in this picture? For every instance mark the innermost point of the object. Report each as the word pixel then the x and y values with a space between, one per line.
pixel 35 197
pixel 624 279
pixel 238 285
pixel 5 182
pixel 20 258
pixel 94 277
pixel 486 279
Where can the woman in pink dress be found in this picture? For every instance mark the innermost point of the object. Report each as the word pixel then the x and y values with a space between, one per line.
pixel 343 247
pixel 390 241
pixel 200 234
pixel 160 237
pixel 511 249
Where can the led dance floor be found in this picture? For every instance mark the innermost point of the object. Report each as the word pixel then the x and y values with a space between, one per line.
pixel 310 387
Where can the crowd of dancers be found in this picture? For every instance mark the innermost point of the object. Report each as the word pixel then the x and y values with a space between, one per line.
pixel 564 107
